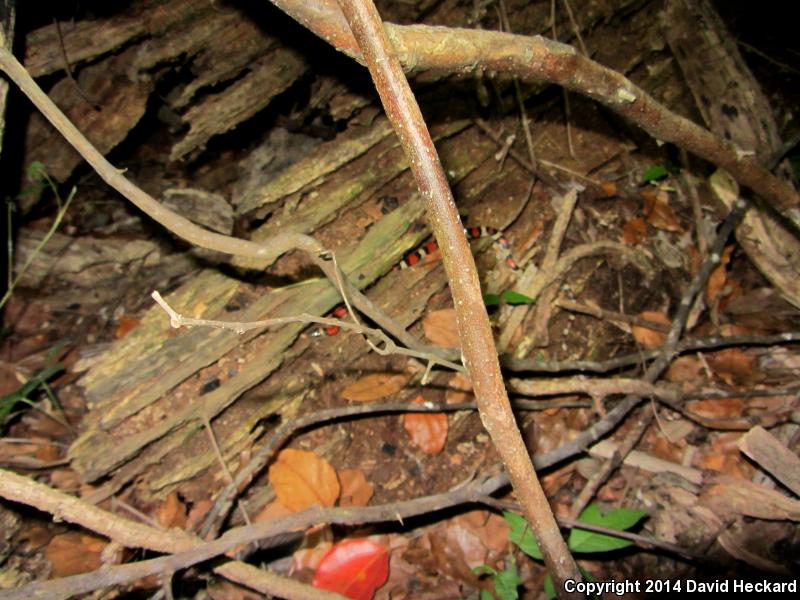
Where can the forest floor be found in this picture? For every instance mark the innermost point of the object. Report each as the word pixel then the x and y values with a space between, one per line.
pixel 248 125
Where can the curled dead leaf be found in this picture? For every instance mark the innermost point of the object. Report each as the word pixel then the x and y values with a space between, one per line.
pixel 428 431
pixel 374 387
pixel 634 232
pixel 734 366
pixel 459 389
pixel 717 408
pixel 609 188
pixel 650 338
pixel 302 479
pixel 685 369
pixel 719 276
pixel 172 512
pixel 658 212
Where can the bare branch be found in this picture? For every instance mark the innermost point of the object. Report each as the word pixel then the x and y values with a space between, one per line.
pixel 477 341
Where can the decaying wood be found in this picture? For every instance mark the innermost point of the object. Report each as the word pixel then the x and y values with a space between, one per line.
pixel 122 102
pixel 83 262
pixel 771 455
pixel 733 105
pixel 147 385
pixel 219 46
pixel 143 382
pixel 150 362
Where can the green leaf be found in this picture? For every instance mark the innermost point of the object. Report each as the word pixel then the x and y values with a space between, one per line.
pixel 620 519
pixel 549 588
pixel 509 297
pixel 36 172
pixel 506 583
pixel 586 575
pixel 486 595
pixel 484 570
pixel 654 173
pixel 515 298
pixel 9 401
pixel 491 300
pixel 522 535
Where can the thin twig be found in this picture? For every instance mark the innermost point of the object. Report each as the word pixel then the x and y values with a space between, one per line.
pixel 619 455
pixel 68 69
pixel 525 164
pixel 600 313
pixel 384 346
pixel 221 460
pixel 523 113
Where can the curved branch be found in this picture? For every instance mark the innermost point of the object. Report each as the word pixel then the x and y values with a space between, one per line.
pixel 267 250
pixel 421 47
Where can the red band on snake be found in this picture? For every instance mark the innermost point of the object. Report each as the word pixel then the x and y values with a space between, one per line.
pixel 418 256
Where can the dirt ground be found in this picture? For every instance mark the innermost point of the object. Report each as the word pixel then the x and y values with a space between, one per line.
pixel 589 235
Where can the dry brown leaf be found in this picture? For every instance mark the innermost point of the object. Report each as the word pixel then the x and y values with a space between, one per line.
pixel 447 555
pixel 634 232
pixel 428 431
pixel 34 536
pixel 459 390
pixel 719 276
pixel 374 387
pixel 609 188
pixel 722 455
pixel 685 369
pixel 309 558
pixel 734 366
pixel 470 545
pixel 441 328
pixel 73 553
pixel 554 481
pixel 198 513
pixel 658 212
pixel 661 447
pixel 172 512
pixel 356 490
pixel 302 479
pixel 721 408
pixel 650 338
pixel 491 529
pixel 271 510
pixel 65 479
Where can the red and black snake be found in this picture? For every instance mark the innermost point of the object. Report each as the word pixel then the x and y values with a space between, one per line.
pixel 418 255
